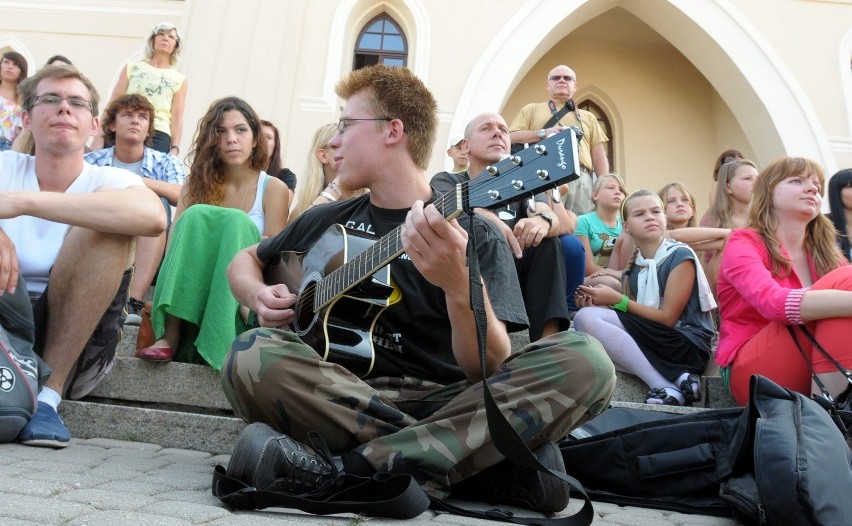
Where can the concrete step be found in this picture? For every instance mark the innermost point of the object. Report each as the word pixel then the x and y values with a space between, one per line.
pixel 182 405
pixel 631 389
pixel 170 427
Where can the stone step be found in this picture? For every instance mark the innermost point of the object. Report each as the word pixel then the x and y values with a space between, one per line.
pixel 182 405
pixel 140 382
pixel 173 427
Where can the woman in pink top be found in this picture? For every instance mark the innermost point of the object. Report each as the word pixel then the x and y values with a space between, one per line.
pixel 784 269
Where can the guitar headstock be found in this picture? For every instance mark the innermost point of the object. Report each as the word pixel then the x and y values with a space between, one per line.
pixel 544 165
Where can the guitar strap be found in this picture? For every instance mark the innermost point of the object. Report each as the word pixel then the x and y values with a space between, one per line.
pixel 558 114
pixel 554 119
pixel 506 439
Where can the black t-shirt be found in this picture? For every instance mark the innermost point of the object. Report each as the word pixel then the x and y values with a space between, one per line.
pixel 413 336
pixel 287 177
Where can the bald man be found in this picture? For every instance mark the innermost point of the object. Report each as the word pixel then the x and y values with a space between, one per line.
pixel 530 233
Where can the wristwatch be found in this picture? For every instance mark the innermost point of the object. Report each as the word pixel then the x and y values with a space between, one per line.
pixel 547 217
pixel 542 134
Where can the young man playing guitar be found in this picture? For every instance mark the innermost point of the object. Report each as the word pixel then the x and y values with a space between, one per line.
pixel 419 408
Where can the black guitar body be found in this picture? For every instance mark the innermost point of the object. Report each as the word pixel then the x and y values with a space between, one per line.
pixel 344 281
pixel 342 331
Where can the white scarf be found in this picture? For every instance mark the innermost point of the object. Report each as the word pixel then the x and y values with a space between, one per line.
pixel 649 287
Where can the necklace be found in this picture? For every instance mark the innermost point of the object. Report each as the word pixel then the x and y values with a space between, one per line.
pixel 243 200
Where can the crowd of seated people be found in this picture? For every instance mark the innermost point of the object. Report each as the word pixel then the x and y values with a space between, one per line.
pixel 231 191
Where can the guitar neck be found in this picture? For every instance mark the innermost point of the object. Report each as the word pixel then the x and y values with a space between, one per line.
pixel 534 169
pixel 379 254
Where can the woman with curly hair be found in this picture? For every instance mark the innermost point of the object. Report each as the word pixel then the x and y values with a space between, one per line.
pixel 227 203
pixel 785 271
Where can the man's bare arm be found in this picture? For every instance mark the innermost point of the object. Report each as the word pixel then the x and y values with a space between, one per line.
pixel 599 161
pixel 170 191
pixel 272 303
pixel 133 211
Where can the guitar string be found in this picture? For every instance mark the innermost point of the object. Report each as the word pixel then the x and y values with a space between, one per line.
pixel 388 245
pixel 368 260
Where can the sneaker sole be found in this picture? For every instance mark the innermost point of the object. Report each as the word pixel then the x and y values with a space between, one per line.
pixel 133 320
pixel 45 442
pixel 251 444
pixel 556 489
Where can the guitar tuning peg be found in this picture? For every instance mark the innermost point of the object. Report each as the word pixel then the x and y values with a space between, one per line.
pixel 492 170
pixel 517 184
pixel 494 194
pixel 543 174
pixel 540 149
pixel 515 160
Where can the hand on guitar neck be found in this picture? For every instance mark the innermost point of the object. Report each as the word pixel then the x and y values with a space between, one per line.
pixel 436 247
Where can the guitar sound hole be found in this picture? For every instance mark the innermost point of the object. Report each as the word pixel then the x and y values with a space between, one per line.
pixel 305 309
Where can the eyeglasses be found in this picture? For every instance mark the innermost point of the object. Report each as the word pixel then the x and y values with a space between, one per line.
pixel 76 103
pixel 567 78
pixel 343 124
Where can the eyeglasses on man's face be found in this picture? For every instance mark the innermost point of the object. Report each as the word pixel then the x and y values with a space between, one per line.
pixel 76 103
pixel 343 124
pixel 567 78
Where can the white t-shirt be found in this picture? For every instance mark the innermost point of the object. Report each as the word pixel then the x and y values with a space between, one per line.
pixel 37 241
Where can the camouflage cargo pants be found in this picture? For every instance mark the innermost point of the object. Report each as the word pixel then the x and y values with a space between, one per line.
pixel 437 433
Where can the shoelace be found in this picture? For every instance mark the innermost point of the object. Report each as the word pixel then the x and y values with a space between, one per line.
pixel 302 476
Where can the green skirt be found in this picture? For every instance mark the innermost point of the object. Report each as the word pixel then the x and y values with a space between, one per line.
pixel 193 283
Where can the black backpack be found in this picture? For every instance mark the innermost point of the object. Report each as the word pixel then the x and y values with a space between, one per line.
pixel 782 460
pixel 653 459
pixel 20 368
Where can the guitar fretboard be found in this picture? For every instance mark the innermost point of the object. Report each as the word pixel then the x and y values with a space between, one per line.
pixel 377 255
pixel 534 169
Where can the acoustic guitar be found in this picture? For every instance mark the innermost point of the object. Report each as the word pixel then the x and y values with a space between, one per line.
pixel 344 278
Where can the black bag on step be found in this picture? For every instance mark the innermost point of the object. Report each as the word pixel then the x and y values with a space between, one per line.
pixel 20 368
pixel 792 465
pixel 639 457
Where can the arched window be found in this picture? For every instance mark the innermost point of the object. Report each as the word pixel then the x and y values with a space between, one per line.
pixel 603 120
pixel 381 42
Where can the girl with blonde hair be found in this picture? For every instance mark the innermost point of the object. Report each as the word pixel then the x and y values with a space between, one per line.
pixel 598 230
pixel 319 184
pixel 661 328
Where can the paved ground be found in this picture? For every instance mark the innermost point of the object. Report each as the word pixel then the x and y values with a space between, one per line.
pixel 104 482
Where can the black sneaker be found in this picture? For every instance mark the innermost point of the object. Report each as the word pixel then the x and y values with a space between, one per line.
pixel 267 459
pixel 508 483
pixel 134 312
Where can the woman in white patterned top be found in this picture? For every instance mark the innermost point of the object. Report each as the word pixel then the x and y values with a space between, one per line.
pixel 13 70
pixel 156 79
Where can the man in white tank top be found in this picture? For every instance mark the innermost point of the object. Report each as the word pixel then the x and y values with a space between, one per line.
pixel 68 228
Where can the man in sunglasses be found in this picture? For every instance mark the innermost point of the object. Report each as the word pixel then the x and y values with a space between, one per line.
pixel 537 121
pixel 67 232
